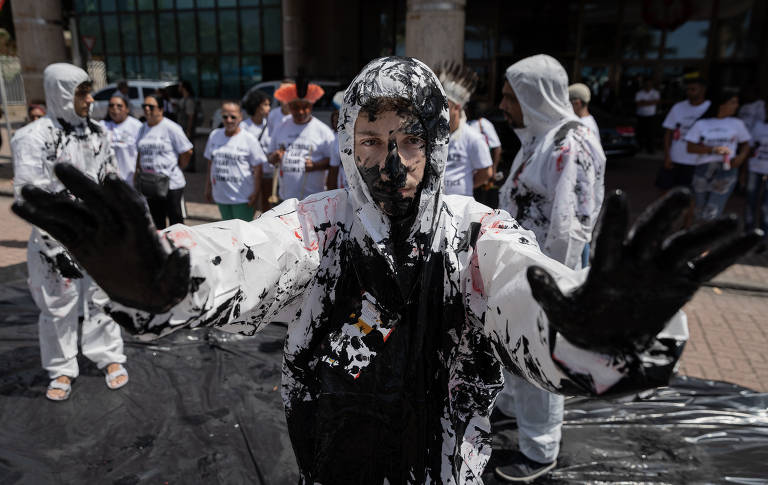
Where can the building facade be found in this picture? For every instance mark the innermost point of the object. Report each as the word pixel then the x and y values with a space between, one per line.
pixel 224 46
pixel 220 46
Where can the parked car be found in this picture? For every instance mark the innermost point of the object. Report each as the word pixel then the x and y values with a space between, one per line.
pixel 137 91
pixel 617 134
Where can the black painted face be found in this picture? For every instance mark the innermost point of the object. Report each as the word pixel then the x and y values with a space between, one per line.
pixel 390 154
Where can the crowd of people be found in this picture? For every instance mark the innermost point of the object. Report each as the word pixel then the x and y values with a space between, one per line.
pixel 711 141
pixel 414 307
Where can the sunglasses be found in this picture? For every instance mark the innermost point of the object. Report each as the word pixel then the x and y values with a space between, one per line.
pixel 117 105
pixel 229 117
pixel 150 107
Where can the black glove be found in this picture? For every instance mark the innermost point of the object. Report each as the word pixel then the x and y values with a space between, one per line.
pixel 110 233
pixel 639 280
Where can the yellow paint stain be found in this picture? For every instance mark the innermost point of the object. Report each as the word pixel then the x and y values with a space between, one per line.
pixel 364 327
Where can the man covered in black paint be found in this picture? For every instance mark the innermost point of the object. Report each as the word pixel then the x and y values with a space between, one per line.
pixel 404 304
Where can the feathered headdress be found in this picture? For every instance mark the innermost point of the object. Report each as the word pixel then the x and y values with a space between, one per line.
pixel 302 89
pixel 458 81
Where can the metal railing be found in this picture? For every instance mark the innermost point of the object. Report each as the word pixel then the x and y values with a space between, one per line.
pixel 14 83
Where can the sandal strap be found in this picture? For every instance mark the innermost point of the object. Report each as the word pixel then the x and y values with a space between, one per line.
pixel 64 386
pixel 120 372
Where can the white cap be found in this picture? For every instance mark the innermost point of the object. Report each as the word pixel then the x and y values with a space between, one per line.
pixel 338 99
pixel 580 91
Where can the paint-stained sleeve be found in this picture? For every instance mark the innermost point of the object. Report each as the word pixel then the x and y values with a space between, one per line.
pixel 29 159
pixel 574 175
pixel 520 333
pixel 243 274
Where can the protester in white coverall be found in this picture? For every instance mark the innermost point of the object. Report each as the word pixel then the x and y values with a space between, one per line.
pixel 60 288
pixel 404 303
pixel 555 189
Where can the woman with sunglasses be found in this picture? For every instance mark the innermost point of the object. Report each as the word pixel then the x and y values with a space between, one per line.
pixel 123 131
pixel 233 155
pixel 164 150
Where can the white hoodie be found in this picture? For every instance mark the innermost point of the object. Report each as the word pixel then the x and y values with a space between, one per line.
pixel 555 187
pixel 384 380
pixel 61 136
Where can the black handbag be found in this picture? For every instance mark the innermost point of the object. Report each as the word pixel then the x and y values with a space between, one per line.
pixel 153 185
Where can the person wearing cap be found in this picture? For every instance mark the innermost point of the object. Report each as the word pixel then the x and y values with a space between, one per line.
pixel 123 131
pixel 580 95
pixel 469 163
pixel 301 147
pixel 336 178
pixel 679 165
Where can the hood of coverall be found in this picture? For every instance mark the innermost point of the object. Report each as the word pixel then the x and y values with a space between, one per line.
pixel 61 81
pixel 412 80
pixel 541 86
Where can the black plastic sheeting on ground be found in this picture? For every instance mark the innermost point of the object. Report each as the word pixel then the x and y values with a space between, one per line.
pixel 204 407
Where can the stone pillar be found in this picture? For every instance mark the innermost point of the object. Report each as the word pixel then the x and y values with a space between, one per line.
pixel 295 27
pixel 39 41
pixel 434 30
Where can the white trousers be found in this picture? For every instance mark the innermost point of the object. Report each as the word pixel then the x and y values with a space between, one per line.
pixel 539 417
pixel 61 302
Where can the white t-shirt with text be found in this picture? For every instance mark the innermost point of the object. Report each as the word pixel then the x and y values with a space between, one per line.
pixel 467 152
pixel 644 95
pixel 159 149
pixel 714 132
pixel 680 119
pixel 233 159
pixel 122 137
pixel 313 140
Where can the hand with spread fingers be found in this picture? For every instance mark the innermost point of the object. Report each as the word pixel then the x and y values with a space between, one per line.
pixel 640 279
pixel 110 233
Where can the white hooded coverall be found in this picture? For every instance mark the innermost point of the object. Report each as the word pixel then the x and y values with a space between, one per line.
pixel 395 345
pixel 555 189
pixel 63 137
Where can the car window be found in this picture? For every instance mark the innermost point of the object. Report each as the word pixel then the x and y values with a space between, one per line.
pixel 326 102
pixel 268 90
pixel 104 94
pixel 173 91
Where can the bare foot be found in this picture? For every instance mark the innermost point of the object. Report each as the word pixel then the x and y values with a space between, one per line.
pixel 119 380
pixel 58 394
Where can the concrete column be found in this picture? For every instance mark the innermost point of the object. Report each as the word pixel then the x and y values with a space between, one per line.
pixel 39 41
pixel 295 27
pixel 434 30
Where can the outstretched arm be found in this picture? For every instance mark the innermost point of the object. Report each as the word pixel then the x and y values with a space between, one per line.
pixel 233 274
pixel 617 327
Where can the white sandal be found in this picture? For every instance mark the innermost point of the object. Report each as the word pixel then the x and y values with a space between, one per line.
pixel 58 385
pixel 112 377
